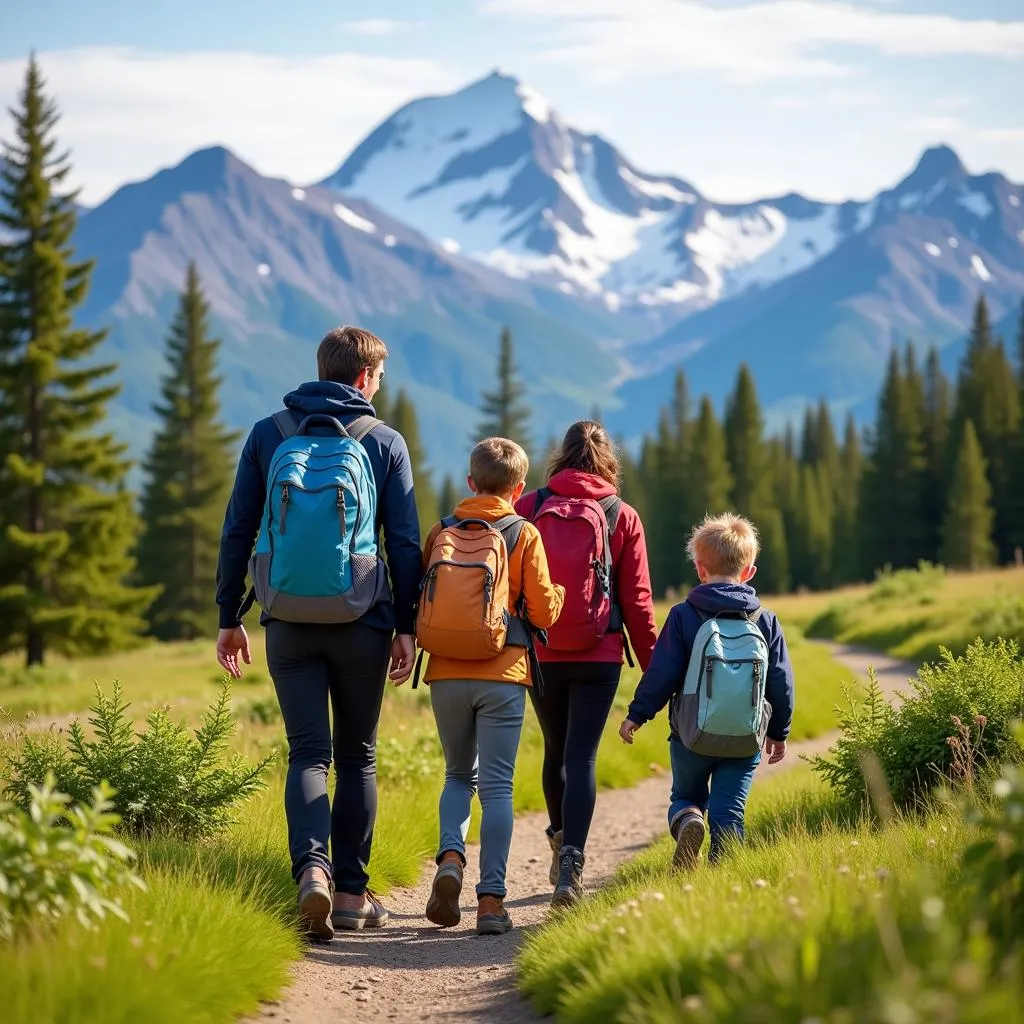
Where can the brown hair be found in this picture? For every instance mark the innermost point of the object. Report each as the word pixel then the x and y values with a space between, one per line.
pixel 725 545
pixel 588 448
pixel 346 351
pixel 497 465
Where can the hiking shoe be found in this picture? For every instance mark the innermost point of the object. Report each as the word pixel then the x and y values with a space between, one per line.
pixel 569 888
pixel 443 905
pixel 555 839
pixel 688 830
pixel 315 897
pixel 491 916
pixel 354 913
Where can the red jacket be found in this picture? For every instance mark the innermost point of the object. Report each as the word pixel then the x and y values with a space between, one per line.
pixel 629 563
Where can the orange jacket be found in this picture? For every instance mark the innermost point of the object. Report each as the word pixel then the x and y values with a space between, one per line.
pixel 527 575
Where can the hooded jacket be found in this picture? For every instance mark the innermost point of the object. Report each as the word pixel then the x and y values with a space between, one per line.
pixel 396 505
pixel 629 566
pixel 527 576
pixel 664 677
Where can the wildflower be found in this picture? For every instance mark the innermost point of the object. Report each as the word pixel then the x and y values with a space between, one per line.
pixel 931 842
pixel 855 842
pixel 658 896
pixel 620 930
pixel 981 721
pixel 692 1004
pixel 932 908
pixel 793 901
pixel 1001 789
pixel 843 869
pixel 760 883
pixel 882 874
pixel 737 889
pixel 687 887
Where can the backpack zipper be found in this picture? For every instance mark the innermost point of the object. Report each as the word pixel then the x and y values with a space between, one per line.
pixel 341 510
pixel 284 506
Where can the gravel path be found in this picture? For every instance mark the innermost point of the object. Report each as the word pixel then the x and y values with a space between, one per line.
pixel 413 972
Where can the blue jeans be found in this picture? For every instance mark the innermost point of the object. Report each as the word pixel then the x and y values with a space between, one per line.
pixel 718 786
pixel 479 723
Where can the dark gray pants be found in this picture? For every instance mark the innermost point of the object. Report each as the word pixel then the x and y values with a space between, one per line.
pixel 316 670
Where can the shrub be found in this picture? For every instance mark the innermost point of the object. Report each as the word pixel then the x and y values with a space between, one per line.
pixel 57 860
pixel 166 777
pixel 982 691
pixel 901 584
pixel 36 675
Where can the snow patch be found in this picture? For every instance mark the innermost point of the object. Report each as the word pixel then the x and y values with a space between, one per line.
pixel 353 220
pixel 976 203
pixel 979 270
pixel 953 243
pixel 866 216
pixel 613 301
pixel 1020 235
pixel 263 270
pixel 450 245
pixel 909 201
pixel 932 249
pixel 389 241
pixel 1014 200
pixel 299 194
pixel 677 293
pixel 656 189
pixel 566 289
pixel 534 104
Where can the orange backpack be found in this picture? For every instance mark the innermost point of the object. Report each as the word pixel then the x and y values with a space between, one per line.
pixel 464 595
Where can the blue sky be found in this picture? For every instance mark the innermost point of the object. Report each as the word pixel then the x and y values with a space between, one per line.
pixel 743 98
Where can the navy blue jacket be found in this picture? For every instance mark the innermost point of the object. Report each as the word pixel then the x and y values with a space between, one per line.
pixel 667 670
pixel 396 506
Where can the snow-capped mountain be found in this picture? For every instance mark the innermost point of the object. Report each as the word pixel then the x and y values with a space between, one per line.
pixel 494 172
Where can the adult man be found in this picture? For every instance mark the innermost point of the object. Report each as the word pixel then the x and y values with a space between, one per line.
pixel 343 665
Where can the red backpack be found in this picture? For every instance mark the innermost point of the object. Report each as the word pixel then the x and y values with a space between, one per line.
pixel 577 540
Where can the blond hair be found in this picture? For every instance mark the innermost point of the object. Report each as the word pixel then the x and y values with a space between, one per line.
pixel 725 545
pixel 498 465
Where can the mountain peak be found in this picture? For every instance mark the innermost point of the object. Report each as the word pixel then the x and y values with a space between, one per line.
pixel 501 88
pixel 939 161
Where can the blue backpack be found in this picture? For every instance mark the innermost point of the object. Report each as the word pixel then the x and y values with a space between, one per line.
pixel 316 557
pixel 721 710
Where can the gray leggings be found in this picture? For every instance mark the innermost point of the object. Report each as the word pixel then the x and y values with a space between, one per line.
pixel 479 724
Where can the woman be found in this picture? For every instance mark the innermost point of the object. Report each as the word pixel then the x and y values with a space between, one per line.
pixel 596 550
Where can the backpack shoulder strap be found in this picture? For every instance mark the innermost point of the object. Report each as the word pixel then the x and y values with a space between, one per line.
pixel 359 427
pixel 543 493
pixel 611 506
pixel 511 528
pixel 286 423
pixel 449 521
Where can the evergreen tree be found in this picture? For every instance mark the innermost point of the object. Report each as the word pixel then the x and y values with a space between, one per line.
pixel 773 561
pixel 450 496
pixel 744 426
pixel 382 407
pixel 666 563
pixel 987 394
pixel 936 413
pixel 811 555
pixel 187 478
pixel 403 419
pixel 708 473
pixel 826 445
pixel 505 412
pixel 967 528
pixel 809 438
pixel 1015 504
pixel 633 489
pixel 891 513
pixel 846 557
pixel 67 525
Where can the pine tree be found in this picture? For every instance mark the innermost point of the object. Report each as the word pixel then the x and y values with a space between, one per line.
pixel 935 433
pixel 633 489
pixel 403 419
pixel 449 497
pixel 1017 500
pixel 891 509
pixel 187 478
pixel 826 444
pixel 67 525
pixel 708 473
pixel 505 412
pixel 967 527
pixel 846 558
pixel 811 555
pixel 809 438
pixel 773 562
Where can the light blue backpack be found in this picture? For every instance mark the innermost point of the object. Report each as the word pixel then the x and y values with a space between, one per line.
pixel 721 710
pixel 316 556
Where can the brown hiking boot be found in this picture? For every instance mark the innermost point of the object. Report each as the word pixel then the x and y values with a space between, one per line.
pixel 491 916
pixel 443 905
pixel 315 894
pixel 555 839
pixel 356 912
pixel 688 830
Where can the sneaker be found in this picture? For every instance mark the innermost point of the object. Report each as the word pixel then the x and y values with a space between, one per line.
pixel 443 906
pixel 315 897
pixel 555 839
pixel 688 830
pixel 569 888
pixel 354 913
pixel 491 916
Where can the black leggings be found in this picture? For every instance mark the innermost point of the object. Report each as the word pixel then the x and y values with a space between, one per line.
pixel 573 710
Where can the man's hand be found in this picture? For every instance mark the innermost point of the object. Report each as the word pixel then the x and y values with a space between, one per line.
pixel 775 749
pixel 231 643
pixel 403 656
pixel 627 729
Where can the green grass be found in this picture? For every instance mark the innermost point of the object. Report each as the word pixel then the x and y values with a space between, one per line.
pixel 816 913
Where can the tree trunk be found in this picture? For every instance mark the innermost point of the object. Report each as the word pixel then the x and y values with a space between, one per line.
pixel 34 647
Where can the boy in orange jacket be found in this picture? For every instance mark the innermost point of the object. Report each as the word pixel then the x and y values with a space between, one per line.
pixel 479 705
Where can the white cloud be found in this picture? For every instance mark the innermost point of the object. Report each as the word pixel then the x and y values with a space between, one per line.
pixel 376 26
pixel 127 112
pixel 777 39
pixel 1002 134
pixel 935 126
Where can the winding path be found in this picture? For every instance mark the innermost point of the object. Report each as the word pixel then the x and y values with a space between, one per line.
pixel 412 972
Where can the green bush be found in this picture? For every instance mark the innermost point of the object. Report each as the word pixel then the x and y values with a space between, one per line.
pixel 958 718
pixel 922 582
pixel 166 777
pixel 36 675
pixel 57 861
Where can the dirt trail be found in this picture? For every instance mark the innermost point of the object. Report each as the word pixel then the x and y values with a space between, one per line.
pixel 413 972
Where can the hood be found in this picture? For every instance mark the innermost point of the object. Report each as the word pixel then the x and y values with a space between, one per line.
pixel 483 506
pixel 325 396
pixel 574 483
pixel 720 597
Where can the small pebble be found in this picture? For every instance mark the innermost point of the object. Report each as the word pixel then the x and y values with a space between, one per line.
pixel 533 860
pixel 363 997
pixel 360 985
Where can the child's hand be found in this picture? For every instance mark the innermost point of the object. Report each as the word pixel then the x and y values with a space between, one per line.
pixel 775 749
pixel 627 729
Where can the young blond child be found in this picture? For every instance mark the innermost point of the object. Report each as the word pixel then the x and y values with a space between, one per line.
pixel 479 705
pixel 724 551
